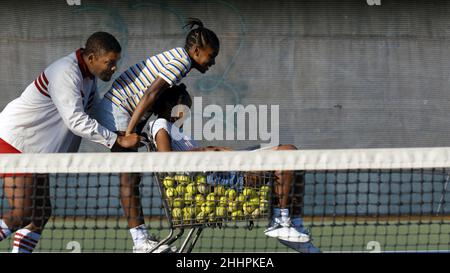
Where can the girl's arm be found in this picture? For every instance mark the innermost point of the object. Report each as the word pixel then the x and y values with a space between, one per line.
pixel 163 141
pixel 146 103
pixel 211 148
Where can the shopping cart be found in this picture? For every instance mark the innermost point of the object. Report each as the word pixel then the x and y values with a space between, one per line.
pixel 196 201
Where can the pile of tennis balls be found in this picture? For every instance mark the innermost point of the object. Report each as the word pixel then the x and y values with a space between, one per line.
pixel 192 200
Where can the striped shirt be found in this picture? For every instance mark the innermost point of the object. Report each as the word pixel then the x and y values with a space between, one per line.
pixel 178 140
pixel 128 89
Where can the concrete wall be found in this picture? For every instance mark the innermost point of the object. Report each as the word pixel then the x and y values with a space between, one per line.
pixel 345 74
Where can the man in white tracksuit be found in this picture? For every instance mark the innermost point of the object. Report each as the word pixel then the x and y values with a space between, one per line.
pixel 51 116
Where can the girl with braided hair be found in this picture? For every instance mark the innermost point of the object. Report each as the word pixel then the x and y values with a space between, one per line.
pixel 132 98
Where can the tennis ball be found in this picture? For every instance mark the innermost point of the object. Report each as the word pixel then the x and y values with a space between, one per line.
pixel 171 192
pixel 219 190
pixel 212 217
pixel 208 207
pixel 181 190
pixel 241 198
pixel 200 179
pixel 263 206
pixel 255 201
pixel 188 198
pixel 248 208
pixel 201 188
pixel 256 213
pixel 191 188
pixel 221 212
pixel 197 208
pixel 168 182
pixel 199 198
pixel 182 179
pixel 248 192
pixel 237 214
pixel 223 201
pixel 201 217
pixel 230 194
pixel 233 206
pixel 264 189
pixel 211 197
pixel 188 213
pixel 178 203
pixel 264 195
pixel 177 213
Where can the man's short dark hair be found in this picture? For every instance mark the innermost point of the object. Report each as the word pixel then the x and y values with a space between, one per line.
pixel 100 43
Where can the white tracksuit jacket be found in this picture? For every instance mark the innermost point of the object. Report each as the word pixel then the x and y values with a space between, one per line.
pixel 51 114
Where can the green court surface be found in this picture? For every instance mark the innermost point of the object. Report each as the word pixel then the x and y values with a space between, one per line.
pixel 331 235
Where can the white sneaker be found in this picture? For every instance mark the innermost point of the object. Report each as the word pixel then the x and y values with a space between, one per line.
pixel 148 245
pixel 308 247
pixel 284 230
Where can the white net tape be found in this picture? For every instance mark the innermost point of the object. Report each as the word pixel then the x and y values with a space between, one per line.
pixel 409 158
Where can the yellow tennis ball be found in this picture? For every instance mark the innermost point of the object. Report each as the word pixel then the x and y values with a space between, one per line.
pixel 188 214
pixel 255 201
pixel 247 192
pixel 237 214
pixel 231 194
pixel 182 179
pixel 202 188
pixel 208 207
pixel 212 217
pixel 221 212
pixel 264 195
pixel 233 206
pixel 201 217
pixel 241 198
pixel 264 189
pixel 223 201
pixel 168 182
pixel 178 202
pixel 171 192
pixel 199 198
pixel 188 198
pixel 248 208
pixel 219 190
pixel 181 190
pixel 263 206
pixel 191 188
pixel 177 213
pixel 211 197
pixel 256 213
pixel 200 179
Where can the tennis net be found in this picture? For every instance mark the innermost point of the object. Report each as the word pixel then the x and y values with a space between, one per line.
pixel 371 200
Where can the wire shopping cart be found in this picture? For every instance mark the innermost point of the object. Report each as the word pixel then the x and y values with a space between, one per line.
pixel 196 201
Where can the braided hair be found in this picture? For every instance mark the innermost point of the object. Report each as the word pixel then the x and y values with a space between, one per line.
pixel 200 36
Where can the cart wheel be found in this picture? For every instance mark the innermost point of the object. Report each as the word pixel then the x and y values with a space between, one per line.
pixel 250 225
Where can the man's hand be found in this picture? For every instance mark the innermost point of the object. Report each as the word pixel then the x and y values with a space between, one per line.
pixel 130 141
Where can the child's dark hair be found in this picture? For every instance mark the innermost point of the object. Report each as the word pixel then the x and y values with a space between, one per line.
pixel 174 95
pixel 200 36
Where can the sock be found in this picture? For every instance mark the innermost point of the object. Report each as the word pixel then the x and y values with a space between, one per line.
pixel 284 215
pixel 4 230
pixel 276 212
pixel 139 234
pixel 25 241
